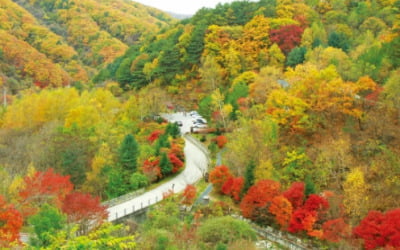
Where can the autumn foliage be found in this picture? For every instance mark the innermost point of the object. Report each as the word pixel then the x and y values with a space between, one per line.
pixel 282 209
pixel 258 196
pixel 287 37
pixel 154 135
pixel 177 164
pixel 218 176
pixel 189 194
pixel 233 187
pixel 221 140
pixel 84 209
pixel 380 230
pixel 295 194
pixel 44 187
pixel 10 224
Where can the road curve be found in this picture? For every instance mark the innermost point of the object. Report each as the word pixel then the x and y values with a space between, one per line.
pixel 196 163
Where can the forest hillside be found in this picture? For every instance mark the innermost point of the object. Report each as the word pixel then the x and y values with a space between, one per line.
pixel 59 43
pixel 302 98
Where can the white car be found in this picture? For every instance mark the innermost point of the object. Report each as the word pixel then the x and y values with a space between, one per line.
pixel 199 125
pixel 200 120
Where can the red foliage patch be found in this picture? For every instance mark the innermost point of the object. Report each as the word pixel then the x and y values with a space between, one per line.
pixel 258 196
pixel 295 194
pixel 80 206
pixel 151 169
pixel 221 140
pixel 189 194
pixel 380 230
pixel 335 230
pixel 286 37
pixel 218 176
pixel 10 224
pixel 44 187
pixel 233 187
pixel 176 163
pixel 154 135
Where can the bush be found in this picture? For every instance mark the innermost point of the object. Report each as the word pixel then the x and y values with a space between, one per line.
pixel 224 230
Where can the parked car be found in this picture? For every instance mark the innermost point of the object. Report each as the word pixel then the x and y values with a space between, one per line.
pixel 199 125
pixel 200 120
pixel 194 113
pixel 180 124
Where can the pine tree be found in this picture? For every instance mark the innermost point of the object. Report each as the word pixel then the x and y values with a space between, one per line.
pixel 249 176
pixel 165 164
pixel 128 153
pixel 173 130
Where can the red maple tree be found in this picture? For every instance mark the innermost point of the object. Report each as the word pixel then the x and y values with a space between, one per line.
pixel 302 219
pixel 177 164
pixel 233 187
pixel 11 222
pixel 218 176
pixel 335 230
pixel 295 194
pixel 258 196
pixel 286 37
pixel 85 210
pixel 44 187
pixel 282 209
pixel 151 169
pixel 380 230
pixel 189 194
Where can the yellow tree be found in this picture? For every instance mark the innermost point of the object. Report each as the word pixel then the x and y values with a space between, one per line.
pixel 255 41
pixel 95 181
pixel 315 97
pixel 211 73
pixel 355 194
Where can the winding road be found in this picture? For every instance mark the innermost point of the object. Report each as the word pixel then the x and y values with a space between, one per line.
pixel 196 164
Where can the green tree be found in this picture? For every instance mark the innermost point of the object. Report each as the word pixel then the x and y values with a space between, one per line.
pixel 128 153
pixel 123 74
pixel 338 40
pixel 138 181
pixel 116 184
pixel 162 142
pixel 73 165
pixel 45 224
pixel 195 46
pixel 173 130
pixel 249 176
pixel 296 56
pixel 165 164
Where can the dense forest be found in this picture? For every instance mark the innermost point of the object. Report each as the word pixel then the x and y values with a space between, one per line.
pixel 304 96
pixel 60 43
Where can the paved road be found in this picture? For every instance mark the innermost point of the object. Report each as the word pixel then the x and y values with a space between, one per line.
pixel 196 163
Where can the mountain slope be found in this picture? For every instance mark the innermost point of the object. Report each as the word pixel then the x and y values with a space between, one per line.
pixel 68 38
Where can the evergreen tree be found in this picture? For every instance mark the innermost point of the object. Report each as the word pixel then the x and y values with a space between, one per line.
pixel 296 56
pixel 195 46
pixel 310 186
pixel 249 176
pixel 338 40
pixel 165 164
pixel 162 142
pixel 116 185
pixel 123 74
pixel 128 153
pixel 173 130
